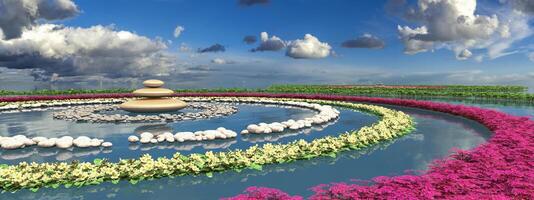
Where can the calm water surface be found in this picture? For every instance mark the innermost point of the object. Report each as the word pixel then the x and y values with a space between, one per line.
pixel 436 134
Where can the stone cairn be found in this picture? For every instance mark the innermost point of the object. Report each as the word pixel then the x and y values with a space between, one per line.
pixel 154 99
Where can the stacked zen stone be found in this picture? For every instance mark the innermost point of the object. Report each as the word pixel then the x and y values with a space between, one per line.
pixel 154 99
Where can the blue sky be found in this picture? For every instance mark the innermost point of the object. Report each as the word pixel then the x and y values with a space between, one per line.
pixel 226 22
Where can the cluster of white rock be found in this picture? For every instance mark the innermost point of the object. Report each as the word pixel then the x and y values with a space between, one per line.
pixel 147 137
pixel 90 113
pixel 27 106
pixel 65 142
pixel 326 114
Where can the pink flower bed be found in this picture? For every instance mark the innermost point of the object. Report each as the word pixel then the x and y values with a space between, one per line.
pixel 502 168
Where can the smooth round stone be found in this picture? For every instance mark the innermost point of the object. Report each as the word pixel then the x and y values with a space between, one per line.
pixel 64 142
pixel 47 143
pixel 133 138
pixel 244 132
pixel 153 141
pixel 145 140
pixel 169 139
pixel 230 133
pixel 95 142
pixel 153 105
pixel 12 143
pixel 39 139
pixel 147 135
pixel 153 83
pixel 153 92
pixel 28 142
pixel 107 144
pixel 82 142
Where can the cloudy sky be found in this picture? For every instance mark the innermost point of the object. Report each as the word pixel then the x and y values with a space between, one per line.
pixel 255 43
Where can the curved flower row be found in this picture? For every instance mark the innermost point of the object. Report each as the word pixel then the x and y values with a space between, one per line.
pixel 502 168
pixel 35 175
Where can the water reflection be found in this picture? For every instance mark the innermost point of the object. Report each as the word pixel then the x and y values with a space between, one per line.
pixel 434 137
pixel 36 154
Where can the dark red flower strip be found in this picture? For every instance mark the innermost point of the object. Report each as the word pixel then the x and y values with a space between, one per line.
pixel 502 168
pixel 62 97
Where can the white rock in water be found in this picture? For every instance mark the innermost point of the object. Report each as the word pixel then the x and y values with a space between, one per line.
pixel 95 142
pixel 29 142
pixel 64 142
pixel 153 141
pixel 260 129
pixel 161 138
pixel 67 137
pixel 276 128
pixel 133 138
pixel 317 120
pixel 210 137
pixel 222 136
pixel 252 128
pixel 19 137
pixel 147 135
pixel 12 143
pixel 244 132
pixel 220 129
pixel 145 140
pixel 39 139
pixel 169 138
pixel 107 144
pixel 210 134
pixel 294 127
pixel 47 143
pixel 267 130
pixel 82 141
pixel 230 133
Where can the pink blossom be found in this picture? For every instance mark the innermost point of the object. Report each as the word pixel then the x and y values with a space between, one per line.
pixel 502 168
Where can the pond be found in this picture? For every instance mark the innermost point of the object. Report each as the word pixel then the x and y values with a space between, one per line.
pixel 435 136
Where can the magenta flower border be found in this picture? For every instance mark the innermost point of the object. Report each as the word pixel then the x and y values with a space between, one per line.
pixel 502 168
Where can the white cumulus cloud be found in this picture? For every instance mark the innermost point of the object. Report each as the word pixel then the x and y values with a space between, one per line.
pixel 267 43
pixel 309 47
pixel 18 15
pixel 178 31
pixel 78 51
pixel 454 24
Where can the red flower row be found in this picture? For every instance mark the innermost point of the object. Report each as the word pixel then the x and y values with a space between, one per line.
pixel 502 168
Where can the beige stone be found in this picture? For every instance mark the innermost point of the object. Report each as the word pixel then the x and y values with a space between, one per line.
pixel 153 105
pixel 153 83
pixel 154 100
pixel 153 92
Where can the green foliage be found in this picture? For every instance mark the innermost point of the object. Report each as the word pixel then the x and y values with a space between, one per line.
pixel 488 92
pixel 462 91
